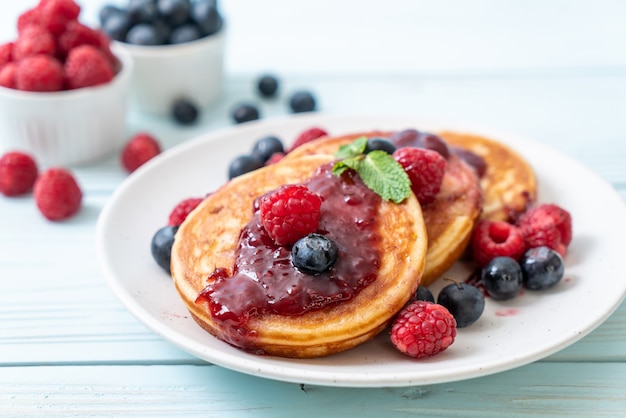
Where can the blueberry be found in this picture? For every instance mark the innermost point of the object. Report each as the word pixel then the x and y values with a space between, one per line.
pixel 243 164
pixel 381 144
pixel 107 11
pixel 185 33
pixel 184 111
pixel 143 34
pixel 542 268
pixel 115 26
pixel 161 246
pixel 464 301
pixel 174 12
pixel 267 146
pixel 424 293
pixel 245 112
pixel 502 278
pixel 205 14
pixel 141 11
pixel 267 85
pixel 302 101
pixel 314 254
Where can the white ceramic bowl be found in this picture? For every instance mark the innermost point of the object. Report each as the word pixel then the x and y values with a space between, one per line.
pixel 67 127
pixel 164 73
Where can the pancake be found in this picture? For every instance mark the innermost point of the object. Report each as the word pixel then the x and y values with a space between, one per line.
pixel 509 184
pixel 208 239
pixel 450 219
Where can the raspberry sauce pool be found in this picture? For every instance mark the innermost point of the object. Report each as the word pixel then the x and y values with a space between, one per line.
pixel 263 279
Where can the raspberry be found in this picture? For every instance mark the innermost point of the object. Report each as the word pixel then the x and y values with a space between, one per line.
pixel 32 41
pixel 141 148
pixel 87 66
pixel 7 75
pixel 57 194
pixel 31 17
pixel 18 172
pixel 546 224
pixel 307 136
pixel 6 53
pixel 423 329
pixel 290 213
pixel 77 34
pixel 182 209
pixel 425 169
pixel 56 14
pixel 494 239
pixel 39 73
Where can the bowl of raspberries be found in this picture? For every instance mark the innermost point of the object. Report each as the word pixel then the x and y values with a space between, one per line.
pixel 177 48
pixel 63 88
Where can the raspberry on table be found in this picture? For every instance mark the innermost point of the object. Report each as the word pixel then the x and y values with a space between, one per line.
pixel 307 136
pixel 425 169
pixel 32 41
pixel 18 172
pixel 7 75
pixel 87 65
pixel 290 213
pixel 39 73
pixel 57 194
pixel 422 329
pixel 138 150
pixel 182 209
pixel 493 239
pixel 546 224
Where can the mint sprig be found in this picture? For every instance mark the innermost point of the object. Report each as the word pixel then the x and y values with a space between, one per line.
pixel 378 170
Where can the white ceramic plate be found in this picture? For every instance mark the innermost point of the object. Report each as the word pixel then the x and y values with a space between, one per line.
pixel 509 334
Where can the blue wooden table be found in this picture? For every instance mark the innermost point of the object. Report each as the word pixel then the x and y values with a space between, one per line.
pixel 554 71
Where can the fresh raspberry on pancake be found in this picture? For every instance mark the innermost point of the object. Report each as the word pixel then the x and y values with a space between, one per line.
pixel 86 66
pixel 57 194
pixel 308 136
pixel 182 209
pixel 39 73
pixel 18 172
pixel 423 329
pixel 425 169
pixel 138 150
pixel 493 239
pixel 546 224
pixel 290 213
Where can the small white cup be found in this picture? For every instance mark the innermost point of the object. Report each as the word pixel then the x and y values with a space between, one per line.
pixel 67 127
pixel 165 73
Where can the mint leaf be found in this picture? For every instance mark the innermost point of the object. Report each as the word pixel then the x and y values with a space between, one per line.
pixel 385 176
pixel 357 147
pixel 378 170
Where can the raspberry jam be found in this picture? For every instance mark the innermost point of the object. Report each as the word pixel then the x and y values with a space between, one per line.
pixel 263 280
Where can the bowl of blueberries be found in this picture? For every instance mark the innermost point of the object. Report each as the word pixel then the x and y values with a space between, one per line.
pixel 177 48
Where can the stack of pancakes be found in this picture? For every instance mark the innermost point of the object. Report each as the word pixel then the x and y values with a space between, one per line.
pixel 418 243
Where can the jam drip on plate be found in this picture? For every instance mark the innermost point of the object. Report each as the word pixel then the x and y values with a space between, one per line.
pixel 263 280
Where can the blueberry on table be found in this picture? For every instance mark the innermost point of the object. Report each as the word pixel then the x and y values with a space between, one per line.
pixel 424 293
pixel 184 111
pixel 267 85
pixel 174 12
pixel 502 278
pixel 314 254
pixel 243 164
pixel 245 112
pixel 542 268
pixel 464 301
pixel 302 101
pixel 381 144
pixel 267 146
pixel 143 34
pixel 204 13
pixel 161 246
pixel 185 33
